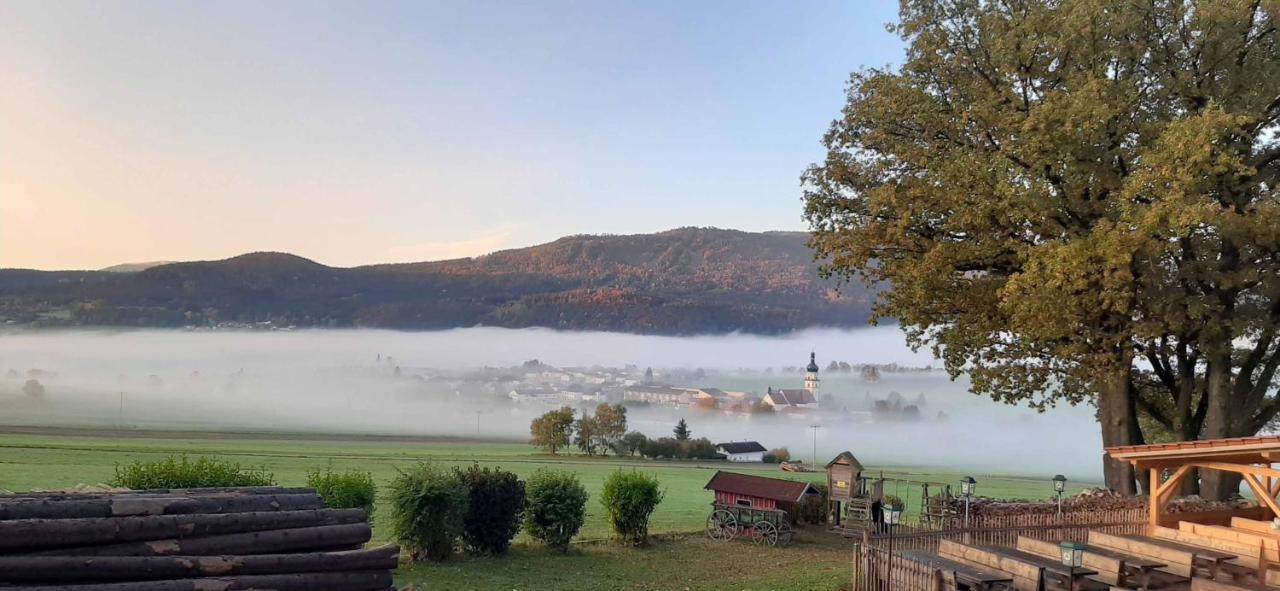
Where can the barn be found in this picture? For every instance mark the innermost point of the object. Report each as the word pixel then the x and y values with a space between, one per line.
pixel 759 492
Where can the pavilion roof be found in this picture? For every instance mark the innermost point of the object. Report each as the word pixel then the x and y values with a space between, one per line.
pixel 1239 450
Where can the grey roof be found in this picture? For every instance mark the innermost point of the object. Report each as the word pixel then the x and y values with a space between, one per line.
pixel 741 447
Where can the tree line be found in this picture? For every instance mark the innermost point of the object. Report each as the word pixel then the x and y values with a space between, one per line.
pixel 605 431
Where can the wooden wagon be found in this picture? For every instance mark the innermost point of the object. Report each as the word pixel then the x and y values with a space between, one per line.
pixel 755 507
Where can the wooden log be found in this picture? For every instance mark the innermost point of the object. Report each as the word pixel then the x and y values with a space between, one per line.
pixel 68 569
pixel 54 533
pixel 169 492
pixel 119 506
pixel 302 539
pixel 372 580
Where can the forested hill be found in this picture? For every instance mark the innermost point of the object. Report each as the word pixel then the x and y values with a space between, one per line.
pixel 684 281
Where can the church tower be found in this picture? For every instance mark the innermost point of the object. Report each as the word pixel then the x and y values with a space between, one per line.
pixel 811 376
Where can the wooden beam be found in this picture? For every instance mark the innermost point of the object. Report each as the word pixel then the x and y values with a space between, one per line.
pixel 1238 468
pixel 1261 491
pixel 1165 491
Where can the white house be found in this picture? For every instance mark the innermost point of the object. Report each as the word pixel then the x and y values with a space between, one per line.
pixel 741 451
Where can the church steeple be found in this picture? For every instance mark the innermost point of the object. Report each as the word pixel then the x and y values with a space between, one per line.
pixel 811 375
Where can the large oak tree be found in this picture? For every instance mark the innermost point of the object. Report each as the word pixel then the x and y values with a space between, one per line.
pixel 1074 201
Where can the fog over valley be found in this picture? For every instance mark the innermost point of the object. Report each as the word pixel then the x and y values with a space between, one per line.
pixel 470 382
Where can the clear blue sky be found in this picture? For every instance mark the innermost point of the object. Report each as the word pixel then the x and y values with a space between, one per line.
pixel 375 131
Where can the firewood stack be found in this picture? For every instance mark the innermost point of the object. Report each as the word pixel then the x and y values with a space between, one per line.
pixel 186 540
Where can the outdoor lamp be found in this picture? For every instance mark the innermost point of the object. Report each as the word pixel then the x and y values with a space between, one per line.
pixel 892 514
pixel 1072 554
pixel 967 485
pixel 1059 484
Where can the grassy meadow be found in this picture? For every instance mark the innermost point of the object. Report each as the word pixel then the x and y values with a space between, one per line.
pixel 48 459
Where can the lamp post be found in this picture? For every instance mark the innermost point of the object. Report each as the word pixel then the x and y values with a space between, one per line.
pixel 1059 486
pixel 1072 558
pixel 815 428
pixel 891 515
pixel 967 486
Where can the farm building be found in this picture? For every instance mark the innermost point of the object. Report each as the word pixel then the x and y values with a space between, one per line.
pixel 741 451
pixel 759 492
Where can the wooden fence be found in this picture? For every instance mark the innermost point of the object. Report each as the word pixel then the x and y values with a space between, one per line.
pixel 878 564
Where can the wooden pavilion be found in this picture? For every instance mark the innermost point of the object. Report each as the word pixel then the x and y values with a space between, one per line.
pixel 1250 457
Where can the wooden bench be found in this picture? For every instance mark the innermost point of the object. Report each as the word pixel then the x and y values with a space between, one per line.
pixel 1211 585
pixel 1255 555
pixel 1115 568
pixel 962 576
pixel 1030 572
pixel 1181 559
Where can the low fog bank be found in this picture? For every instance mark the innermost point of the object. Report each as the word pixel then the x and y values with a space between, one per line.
pixel 368 381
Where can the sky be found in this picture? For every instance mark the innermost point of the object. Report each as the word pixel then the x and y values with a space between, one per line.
pixel 367 132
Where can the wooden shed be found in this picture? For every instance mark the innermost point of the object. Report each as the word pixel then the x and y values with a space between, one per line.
pixel 843 474
pixel 759 492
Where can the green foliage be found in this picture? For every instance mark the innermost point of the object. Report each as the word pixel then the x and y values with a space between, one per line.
pixel 494 510
pixel 894 501
pixel 1082 217
pixel 813 509
pixel 555 507
pixel 689 449
pixel 181 472
pixel 630 498
pixel 681 430
pixel 553 430
pixel 353 489
pixel 428 504
pixel 777 456
pixel 633 443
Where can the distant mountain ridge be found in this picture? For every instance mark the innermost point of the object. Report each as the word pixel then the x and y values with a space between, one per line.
pixel 683 281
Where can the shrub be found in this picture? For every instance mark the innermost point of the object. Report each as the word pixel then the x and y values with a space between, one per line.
pixel 494 509
pixel 662 447
pixel 427 507
pixel 353 489
pixel 777 456
pixel 182 472
pixel 699 449
pixel 554 508
pixel 630 498
pixel 813 509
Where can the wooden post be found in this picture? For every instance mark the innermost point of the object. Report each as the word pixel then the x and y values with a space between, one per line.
pixel 1155 498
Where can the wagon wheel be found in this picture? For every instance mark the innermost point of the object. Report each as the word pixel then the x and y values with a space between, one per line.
pixel 785 533
pixel 765 533
pixel 722 526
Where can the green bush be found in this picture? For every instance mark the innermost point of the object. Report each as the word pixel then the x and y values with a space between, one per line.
pixel 182 472
pixel 495 508
pixel 353 489
pixel 427 506
pixel 554 507
pixel 630 498
pixel 813 509
pixel 777 456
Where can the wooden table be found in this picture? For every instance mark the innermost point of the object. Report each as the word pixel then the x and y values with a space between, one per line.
pixel 1055 576
pixel 974 578
pixel 1212 561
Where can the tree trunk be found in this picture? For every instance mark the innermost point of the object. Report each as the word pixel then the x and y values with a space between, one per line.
pixel 69 569
pixel 130 505
pixel 1119 419
pixel 302 539
pixel 54 533
pixel 1219 423
pixel 379 580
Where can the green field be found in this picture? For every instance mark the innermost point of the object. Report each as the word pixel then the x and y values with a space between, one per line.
pixel 44 459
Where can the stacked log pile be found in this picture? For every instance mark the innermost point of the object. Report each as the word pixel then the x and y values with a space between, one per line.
pixel 186 540
pixel 1089 500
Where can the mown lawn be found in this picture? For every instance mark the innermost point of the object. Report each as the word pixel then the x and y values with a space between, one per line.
pixel 48 460
pixel 695 563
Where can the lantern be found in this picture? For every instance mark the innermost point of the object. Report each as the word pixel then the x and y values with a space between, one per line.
pixel 967 485
pixel 1059 484
pixel 1072 554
